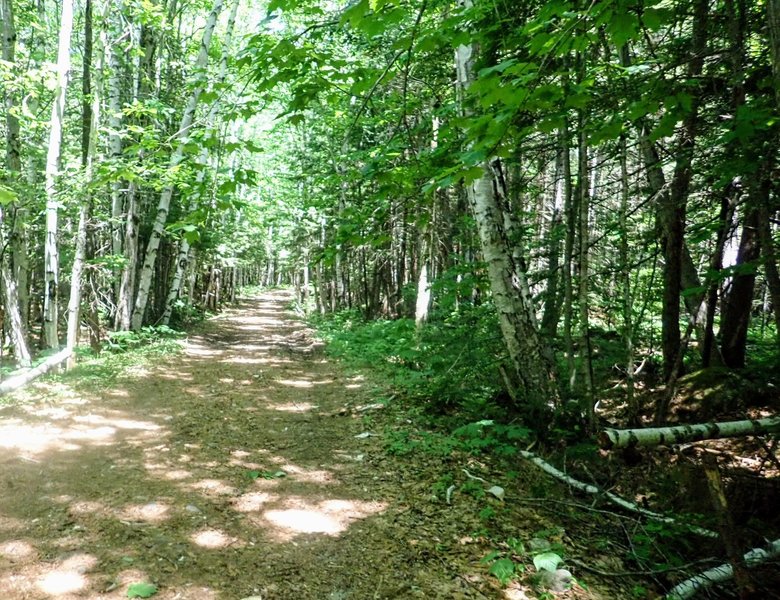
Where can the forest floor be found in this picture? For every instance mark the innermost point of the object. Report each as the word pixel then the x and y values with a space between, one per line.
pixel 251 465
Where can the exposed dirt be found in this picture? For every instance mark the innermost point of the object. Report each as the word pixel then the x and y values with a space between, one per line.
pixel 243 467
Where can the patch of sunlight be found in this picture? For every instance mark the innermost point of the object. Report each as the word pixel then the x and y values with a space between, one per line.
pixel 59 583
pixel 242 360
pixel 353 386
pixel 176 475
pixel 138 371
pixel 252 502
pixel 212 539
pixel 31 440
pixel 151 512
pixel 298 407
pixel 298 383
pixel 308 476
pixel 86 507
pixel 517 592
pixel 212 487
pixel 17 550
pixel 94 434
pixel 201 351
pixel 51 414
pixel 244 464
pixel 68 577
pixel 119 422
pixel 329 517
pixel 252 347
pixel 240 454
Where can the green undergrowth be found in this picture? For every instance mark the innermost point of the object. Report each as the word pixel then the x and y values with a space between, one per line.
pixel 123 352
pixel 449 368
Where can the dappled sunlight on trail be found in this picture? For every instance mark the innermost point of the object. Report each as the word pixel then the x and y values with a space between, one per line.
pixel 223 461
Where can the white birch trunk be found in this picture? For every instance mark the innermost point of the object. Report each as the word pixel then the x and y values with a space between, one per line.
pixel 114 119
pixel 690 587
pixel 611 439
pixel 182 136
pixel 14 163
pixel 613 498
pixel 17 381
pixel 184 245
pixel 51 251
pixel 508 285
pixel 124 309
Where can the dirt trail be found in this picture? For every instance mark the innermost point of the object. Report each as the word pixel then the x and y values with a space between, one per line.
pixel 173 475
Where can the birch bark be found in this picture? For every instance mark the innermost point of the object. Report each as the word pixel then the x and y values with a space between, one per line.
pixel 14 164
pixel 529 358
pixel 183 257
pixel 51 251
pixel 182 137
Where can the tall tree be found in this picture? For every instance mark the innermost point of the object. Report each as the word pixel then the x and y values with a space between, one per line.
pixel 51 250
pixel 181 138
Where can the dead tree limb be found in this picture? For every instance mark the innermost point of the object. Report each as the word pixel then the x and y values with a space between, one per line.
pixel 613 498
pixel 610 439
pixel 689 587
pixel 17 381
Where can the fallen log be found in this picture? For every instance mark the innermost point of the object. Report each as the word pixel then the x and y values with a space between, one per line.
pixel 656 436
pixel 613 498
pixel 17 381
pixel 689 587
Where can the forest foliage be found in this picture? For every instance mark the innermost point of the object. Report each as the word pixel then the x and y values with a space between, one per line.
pixel 517 205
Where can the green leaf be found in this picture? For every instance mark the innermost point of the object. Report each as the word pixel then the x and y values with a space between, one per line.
pixel 503 570
pixel 141 590
pixel 547 561
pixel 6 196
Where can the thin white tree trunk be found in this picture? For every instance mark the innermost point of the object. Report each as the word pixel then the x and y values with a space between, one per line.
pixel 508 284
pixel 14 163
pixel 17 381
pixel 182 137
pixel 611 439
pixel 51 252
pixel 184 245
pixel 613 498
pixel 114 119
pixel 690 587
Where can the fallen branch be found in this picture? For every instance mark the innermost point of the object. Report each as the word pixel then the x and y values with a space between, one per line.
pixel 613 498
pixel 655 436
pixel 724 572
pixel 17 381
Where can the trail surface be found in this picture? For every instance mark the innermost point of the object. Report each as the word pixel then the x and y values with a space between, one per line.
pixel 231 470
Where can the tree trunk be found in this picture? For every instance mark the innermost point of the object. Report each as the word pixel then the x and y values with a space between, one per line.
pixel 51 251
pixel 584 264
pixel 184 244
pixel 532 369
pixel 182 137
pixel 14 164
pixel 611 439
pixel 738 304
pixel 90 124
pixel 625 284
pixel 124 309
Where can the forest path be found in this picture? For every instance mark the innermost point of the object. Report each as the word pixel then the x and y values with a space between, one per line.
pixel 172 474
